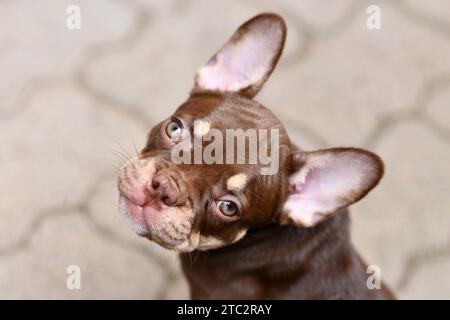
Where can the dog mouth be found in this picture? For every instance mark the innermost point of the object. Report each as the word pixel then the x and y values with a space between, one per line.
pixel 165 225
pixel 137 215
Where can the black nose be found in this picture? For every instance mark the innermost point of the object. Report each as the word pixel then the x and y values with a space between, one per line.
pixel 164 189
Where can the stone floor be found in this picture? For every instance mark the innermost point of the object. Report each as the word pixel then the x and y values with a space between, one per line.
pixel 74 101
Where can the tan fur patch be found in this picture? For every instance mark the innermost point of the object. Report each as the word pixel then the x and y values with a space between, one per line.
pixel 209 242
pixel 240 235
pixel 201 128
pixel 236 182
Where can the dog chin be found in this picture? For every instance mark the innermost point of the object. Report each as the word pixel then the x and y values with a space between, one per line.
pixel 187 245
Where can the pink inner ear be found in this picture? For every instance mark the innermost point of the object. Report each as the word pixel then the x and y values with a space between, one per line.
pixel 327 183
pixel 244 60
pixel 315 197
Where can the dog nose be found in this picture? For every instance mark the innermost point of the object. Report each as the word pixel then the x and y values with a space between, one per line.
pixel 165 189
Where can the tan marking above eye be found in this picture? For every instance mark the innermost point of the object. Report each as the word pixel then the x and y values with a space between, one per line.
pixel 201 128
pixel 236 182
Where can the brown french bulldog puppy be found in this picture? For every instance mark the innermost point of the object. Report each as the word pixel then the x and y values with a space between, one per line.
pixel 257 220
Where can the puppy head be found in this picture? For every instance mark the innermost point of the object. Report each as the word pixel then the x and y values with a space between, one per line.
pixel 223 164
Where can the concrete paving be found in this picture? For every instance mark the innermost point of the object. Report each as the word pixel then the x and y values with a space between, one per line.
pixel 73 102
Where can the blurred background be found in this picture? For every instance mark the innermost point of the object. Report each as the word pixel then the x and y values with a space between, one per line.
pixel 72 102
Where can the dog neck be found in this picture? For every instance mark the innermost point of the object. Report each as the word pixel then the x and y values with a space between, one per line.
pixel 282 262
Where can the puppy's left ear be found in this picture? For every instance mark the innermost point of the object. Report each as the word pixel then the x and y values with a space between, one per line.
pixel 244 63
pixel 325 181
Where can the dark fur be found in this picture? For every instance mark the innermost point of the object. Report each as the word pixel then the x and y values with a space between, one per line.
pixel 284 262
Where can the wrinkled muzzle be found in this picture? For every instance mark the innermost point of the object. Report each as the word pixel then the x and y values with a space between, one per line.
pixel 154 201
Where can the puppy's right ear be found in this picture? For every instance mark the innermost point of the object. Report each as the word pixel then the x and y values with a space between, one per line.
pixel 245 62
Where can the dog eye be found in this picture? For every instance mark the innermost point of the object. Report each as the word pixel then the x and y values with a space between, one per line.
pixel 173 130
pixel 228 208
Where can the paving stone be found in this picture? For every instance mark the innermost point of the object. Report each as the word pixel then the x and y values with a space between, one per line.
pixel 408 211
pixel 37 44
pixel 431 281
pixel 439 107
pixel 435 10
pixel 319 15
pixel 53 153
pixel 178 289
pixel 107 270
pixel 347 82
